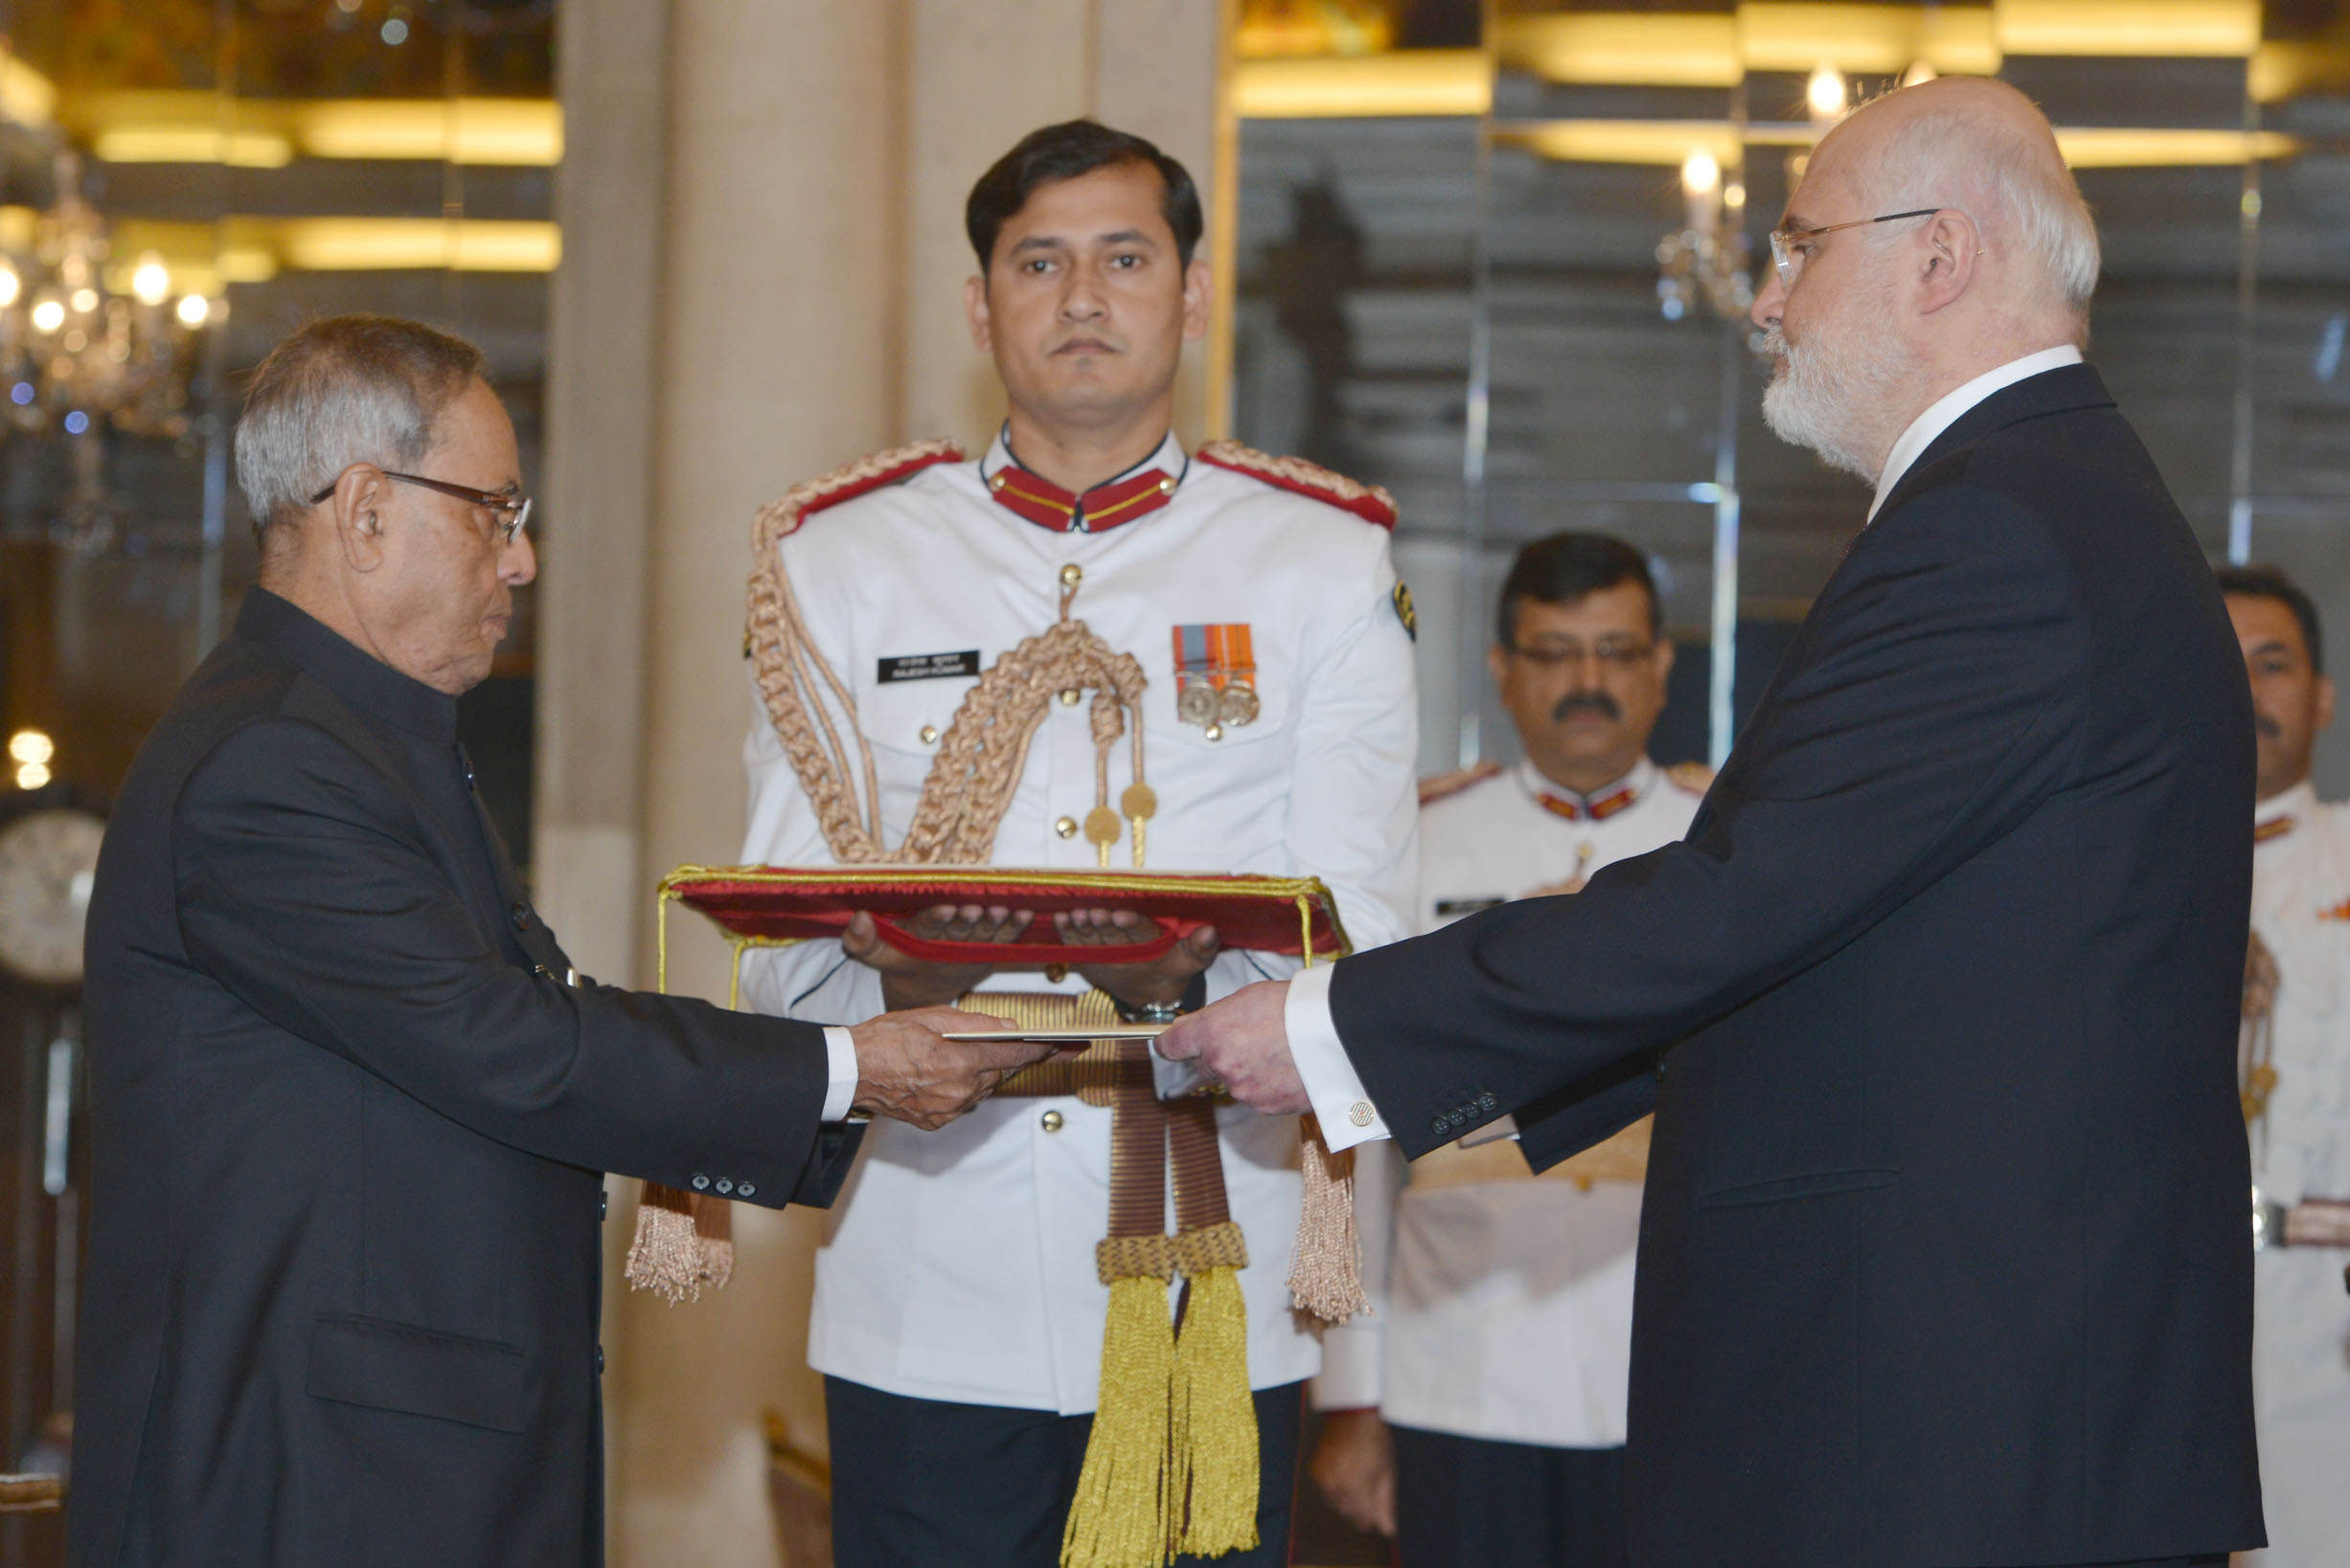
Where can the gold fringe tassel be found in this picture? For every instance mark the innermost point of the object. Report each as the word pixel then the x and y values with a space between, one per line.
pixel 1212 1485
pixel 1326 1268
pixel 684 1243
pixel 1119 1516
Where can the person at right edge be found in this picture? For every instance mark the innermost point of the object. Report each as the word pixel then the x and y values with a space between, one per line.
pixel 2297 1081
pixel 1943 1260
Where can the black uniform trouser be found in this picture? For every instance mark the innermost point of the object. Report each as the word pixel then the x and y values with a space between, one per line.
pixel 923 1484
pixel 1474 1503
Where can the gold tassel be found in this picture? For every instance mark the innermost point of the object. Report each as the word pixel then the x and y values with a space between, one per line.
pixel 1326 1268
pixel 1119 1516
pixel 1211 1484
pixel 714 1232
pixel 684 1241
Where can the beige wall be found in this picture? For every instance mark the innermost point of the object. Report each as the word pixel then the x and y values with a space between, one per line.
pixel 764 258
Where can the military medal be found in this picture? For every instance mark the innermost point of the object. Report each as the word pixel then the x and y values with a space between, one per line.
pixel 1216 677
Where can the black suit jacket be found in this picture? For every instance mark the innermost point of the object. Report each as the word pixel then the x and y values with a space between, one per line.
pixel 1945 1256
pixel 349 1125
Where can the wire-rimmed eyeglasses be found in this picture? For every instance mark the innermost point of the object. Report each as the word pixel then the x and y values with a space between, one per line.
pixel 511 513
pixel 1790 260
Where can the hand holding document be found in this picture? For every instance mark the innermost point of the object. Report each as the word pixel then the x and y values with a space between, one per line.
pixel 1243 1042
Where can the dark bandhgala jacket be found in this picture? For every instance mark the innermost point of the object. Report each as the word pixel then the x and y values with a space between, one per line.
pixel 1945 1258
pixel 349 1123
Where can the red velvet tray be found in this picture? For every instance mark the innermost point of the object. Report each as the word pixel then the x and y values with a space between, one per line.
pixel 770 904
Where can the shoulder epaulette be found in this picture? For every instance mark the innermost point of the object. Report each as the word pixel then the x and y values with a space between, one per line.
pixel 1436 788
pixel 781 519
pixel 1695 777
pixel 1369 502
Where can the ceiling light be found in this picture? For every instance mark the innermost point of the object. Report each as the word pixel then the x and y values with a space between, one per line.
pixel 1825 93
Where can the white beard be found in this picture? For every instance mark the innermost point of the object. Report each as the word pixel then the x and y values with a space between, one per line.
pixel 1835 394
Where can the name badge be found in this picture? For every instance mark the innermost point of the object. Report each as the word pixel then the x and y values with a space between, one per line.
pixel 1466 906
pixel 929 667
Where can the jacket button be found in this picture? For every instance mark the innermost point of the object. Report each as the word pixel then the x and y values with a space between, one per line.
pixel 701 1183
pixel 1439 1124
pixel 1066 828
pixel 1487 1103
pixel 929 735
pixel 725 1184
pixel 522 917
pixel 1051 1120
pixel 743 1188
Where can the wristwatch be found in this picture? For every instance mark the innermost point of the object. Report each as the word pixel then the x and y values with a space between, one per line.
pixel 1149 1013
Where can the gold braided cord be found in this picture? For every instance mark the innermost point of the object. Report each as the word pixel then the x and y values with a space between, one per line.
pixel 778 647
pixel 980 759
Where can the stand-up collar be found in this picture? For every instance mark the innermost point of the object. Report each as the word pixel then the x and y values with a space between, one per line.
pixel 373 687
pixel 1598 806
pixel 2283 811
pixel 1142 489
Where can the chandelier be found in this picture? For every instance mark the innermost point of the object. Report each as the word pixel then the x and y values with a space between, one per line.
pixel 1699 263
pixel 77 354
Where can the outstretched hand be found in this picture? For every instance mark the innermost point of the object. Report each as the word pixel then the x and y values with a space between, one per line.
pixel 1163 980
pixel 906 1072
pixel 910 981
pixel 1243 1042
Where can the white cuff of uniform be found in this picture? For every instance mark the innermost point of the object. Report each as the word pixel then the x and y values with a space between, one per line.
pixel 1336 1094
pixel 840 1053
pixel 1349 1379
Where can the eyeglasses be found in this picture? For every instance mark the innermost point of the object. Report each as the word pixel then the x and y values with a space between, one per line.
pixel 513 512
pixel 1612 657
pixel 1790 260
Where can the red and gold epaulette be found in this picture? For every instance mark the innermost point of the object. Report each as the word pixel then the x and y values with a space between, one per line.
pixel 1695 777
pixel 781 519
pixel 1436 788
pixel 1369 502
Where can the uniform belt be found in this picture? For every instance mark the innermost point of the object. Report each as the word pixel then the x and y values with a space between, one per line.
pixel 2311 1222
pixel 1622 1158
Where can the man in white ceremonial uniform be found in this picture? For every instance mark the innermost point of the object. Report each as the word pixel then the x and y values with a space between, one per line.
pixel 1478 1414
pixel 958 1313
pixel 2296 1088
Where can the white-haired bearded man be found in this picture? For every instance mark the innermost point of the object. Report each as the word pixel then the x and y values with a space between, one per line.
pixel 1943 1254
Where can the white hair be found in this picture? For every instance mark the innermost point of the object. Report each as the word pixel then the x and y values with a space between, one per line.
pixel 2013 186
pixel 1844 383
pixel 344 390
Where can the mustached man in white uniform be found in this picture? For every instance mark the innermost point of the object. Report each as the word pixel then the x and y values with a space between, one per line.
pixel 1479 1414
pixel 959 1311
pixel 2297 1089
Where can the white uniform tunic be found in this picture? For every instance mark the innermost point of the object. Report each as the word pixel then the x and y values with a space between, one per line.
pixel 2301 1149
pixel 1506 1306
pixel 959 1264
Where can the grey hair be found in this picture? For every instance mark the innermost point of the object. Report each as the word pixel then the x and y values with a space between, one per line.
pixel 343 390
pixel 2013 185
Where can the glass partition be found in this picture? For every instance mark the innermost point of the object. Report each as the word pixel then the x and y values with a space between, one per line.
pixel 1505 272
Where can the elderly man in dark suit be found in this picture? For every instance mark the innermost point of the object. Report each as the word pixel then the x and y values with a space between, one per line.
pixel 352 1106
pixel 1945 1259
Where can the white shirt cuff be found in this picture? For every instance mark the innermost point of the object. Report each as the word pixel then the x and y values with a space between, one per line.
pixel 1350 1376
pixel 840 1053
pixel 1339 1102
